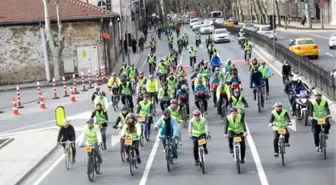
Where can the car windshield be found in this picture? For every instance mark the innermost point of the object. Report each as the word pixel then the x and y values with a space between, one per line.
pixel 265 29
pixel 305 41
pixel 221 31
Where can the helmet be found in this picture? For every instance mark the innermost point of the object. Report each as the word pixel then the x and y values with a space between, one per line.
pixel 124 64
pixel 131 115
pixel 286 62
pixel 263 62
pixel 184 87
pixel 317 93
pixel 98 104
pixel 278 104
pixel 114 74
pixel 199 75
pixel 97 88
pixel 144 87
pixel 217 69
pixel 66 122
pixel 234 109
pixel 197 113
pixel 91 120
pixel 150 76
pixel 173 101
pixel 141 73
pixel 228 61
pixel 166 112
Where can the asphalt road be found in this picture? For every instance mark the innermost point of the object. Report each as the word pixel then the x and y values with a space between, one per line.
pixel 303 164
pixel 327 57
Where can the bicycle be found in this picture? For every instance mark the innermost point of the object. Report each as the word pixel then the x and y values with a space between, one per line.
pixel 151 68
pixel 323 140
pixel 223 108
pixel 258 97
pixel 153 99
pixel 237 150
pixel 115 98
pixel 145 134
pixel 168 150
pixel 68 157
pixel 201 142
pixel 202 107
pixel 281 142
pixel 92 166
pixel 184 115
pixel 132 159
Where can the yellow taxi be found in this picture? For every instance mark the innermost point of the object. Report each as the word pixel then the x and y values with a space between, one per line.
pixel 304 47
pixel 229 23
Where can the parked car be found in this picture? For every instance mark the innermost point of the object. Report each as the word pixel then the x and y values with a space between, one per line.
pixel 250 27
pixel 332 41
pixel 220 35
pixel 206 29
pixel 266 31
pixel 219 21
pixel 304 47
pixel 197 26
pixel 192 22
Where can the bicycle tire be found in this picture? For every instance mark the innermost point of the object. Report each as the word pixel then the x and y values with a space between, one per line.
pixel 131 161
pixel 282 152
pixel 168 160
pixel 201 107
pixel 259 102
pixel 223 113
pixel 67 161
pixel 202 160
pixel 237 159
pixel 142 142
pixel 90 169
pixel 123 156
pixel 324 146
pixel 97 166
pixel 147 132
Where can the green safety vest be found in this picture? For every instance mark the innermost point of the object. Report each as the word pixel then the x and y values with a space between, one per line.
pixel 142 81
pixel 254 66
pixel 162 68
pixel 125 89
pixel 247 47
pixel 175 114
pixel 165 93
pixel 153 42
pixel 122 119
pixel 125 69
pixel 151 85
pixel 205 72
pixel 236 125
pixel 101 101
pixel 171 83
pixel 279 119
pixel 192 53
pixel 211 49
pixel 319 109
pixel 132 73
pixel 133 135
pixel 145 108
pixel 151 58
pixel 198 127
pixel 180 73
pixel 228 77
pixel 170 39
pixel 264 71
pixel 185 37
pixel 238 102
pixel 91 135
pixel 100 117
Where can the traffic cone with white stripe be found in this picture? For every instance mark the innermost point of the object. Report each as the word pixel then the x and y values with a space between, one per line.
pixel 42 105
pixel 15 111
pixel 72 95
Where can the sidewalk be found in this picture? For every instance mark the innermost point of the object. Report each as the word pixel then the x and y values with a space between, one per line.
pixel 294 25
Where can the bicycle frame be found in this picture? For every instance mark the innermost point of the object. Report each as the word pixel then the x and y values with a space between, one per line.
pixel 68 153
pixel 129 145
pixel 237 150
pixel 322 137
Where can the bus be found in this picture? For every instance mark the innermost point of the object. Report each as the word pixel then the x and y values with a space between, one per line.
pixel 216 14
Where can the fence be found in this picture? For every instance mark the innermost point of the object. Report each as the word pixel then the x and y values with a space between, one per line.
pixel 315 74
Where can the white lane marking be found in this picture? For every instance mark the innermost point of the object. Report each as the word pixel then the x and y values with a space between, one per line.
pixel 317 36
pixel 330 54
pixel 293 127
pixel 150 161
pixel 115 139
pixel 256 158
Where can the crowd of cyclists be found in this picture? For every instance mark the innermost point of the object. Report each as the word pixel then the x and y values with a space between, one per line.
pixel 167 85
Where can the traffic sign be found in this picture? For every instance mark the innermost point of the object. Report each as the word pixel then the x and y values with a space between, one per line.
pixel 321 5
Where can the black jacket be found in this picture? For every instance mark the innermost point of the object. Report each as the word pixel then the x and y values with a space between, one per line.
pixel 95 94
pixel 66 134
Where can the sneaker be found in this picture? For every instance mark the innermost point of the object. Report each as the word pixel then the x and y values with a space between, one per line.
pixel 276 155
pixel 287 144
pixel 139 160
pixel 242 161
pixel 196 163
pixel 205 151
pixel 73 160
pixel 317 149
pixel 174 161
pixel 231 151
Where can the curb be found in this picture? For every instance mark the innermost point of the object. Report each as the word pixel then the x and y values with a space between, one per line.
pixel 293 27
pixel 22 179
pixel 6 142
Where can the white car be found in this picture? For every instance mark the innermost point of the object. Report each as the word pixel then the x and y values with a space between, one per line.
pixel 332 41
pixel 208 21
pixel 207 29
pixel 196 26
pixel 221 35
pixel 219 21
pixel 266 31
pixel 192 22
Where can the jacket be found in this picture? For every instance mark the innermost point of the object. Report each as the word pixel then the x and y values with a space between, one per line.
pixel 66 134
pixel 256 79
pixel 201 88
pixel 215 61
pixel 174 126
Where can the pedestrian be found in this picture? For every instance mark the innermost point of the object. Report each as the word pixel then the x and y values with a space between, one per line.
pixel 125 46
pixel 134 45
pixel 141 43
pixel 304 19
pixel 145 32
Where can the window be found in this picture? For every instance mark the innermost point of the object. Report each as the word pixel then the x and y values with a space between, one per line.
pixel 101 4
pixel 304 42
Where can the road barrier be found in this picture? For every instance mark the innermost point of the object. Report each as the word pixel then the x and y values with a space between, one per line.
pixel 74 83
pixel 83 82
pixel 39 92
pixel 15 111
pixel 65 88
pixel 89 78
pixel 54 90
pixel 18 97
pixel 315 74
pixel 72 95
pixel 42 104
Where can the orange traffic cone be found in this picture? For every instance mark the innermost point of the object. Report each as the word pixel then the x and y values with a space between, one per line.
pixel 42 105
pixel 15 111
pixel 72 95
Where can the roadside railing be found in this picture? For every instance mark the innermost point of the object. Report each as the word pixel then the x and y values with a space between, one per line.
pixel 315 74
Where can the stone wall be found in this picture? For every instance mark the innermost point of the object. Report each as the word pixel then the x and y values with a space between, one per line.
pixel 21 56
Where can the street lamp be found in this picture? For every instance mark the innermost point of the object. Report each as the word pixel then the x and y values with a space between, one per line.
pixel 128 49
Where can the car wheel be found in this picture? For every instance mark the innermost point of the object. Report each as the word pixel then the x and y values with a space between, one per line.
pixel 316 57
pixel 330 47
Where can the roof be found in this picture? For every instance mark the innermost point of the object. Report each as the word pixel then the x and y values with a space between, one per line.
pixel 304 38
pixel 32 11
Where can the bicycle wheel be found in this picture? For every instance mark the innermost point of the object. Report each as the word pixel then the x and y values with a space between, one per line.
pixel 123 154
pixel 147 132
pixel 237 159
pixel 90 169
pixel 131 161
pixel 67 160
pixel 142 140
pixel 201 107
pixel 184 114
pixel 97 165
pixel 323 145
pixel 282 152
pixel 201 156
pixel 168 158
pixel 258 102
pixel 223 113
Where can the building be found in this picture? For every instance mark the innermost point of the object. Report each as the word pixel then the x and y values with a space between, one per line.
pixel 333 12
pixel 22 42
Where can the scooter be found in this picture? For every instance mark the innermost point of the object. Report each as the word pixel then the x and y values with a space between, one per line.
pixel 301 107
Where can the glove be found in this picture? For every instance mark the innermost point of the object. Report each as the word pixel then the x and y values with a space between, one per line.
pixel 251 86
pixel 270 124
pixel 115 126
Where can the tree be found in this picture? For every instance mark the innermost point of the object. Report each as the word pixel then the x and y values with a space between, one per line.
pixel 56 47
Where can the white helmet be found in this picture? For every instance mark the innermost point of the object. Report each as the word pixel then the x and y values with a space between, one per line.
pixel 184 87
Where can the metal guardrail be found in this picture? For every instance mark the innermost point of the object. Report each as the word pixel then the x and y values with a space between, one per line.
pixel 315 74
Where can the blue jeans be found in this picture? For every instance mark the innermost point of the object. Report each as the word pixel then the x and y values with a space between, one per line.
pixel 173 144
pixel 103 132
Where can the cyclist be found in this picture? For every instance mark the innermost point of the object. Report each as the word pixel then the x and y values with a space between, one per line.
pixel 133 72
pixel 319 109
pixel 114 83
pixel 153 44
pixel 257 81
pixel 182 81
pixel 175 112
pixel 152 87
pixel 172 81
pixel 266 72
pixel 239 102
pixel 192 56
pixel 173 58
pixel 215 62
pixel 201 94
pixel 211 50
pixel 193 77
pixel 234 82
pixel 254 64
pixel 102 100
pixel 180 71
pixel 124 69
pixel 162 70
pixel 144 110
pixel 200 78
pixel 183 97
pixel 164 96
pixel 201 64
pixel 235 126
pixel 93 136
pixel 279 117
pixel 126 94
pixel 286 71
pixel 168 127
pixel 67 133
pixel 227 66
pixel 198 128
pixel 222 91
pixel 101 118
pixel 208 41
pixel 215 81
pixel 180 45
pixel 121 118
pixel 141 94
pixel 132 130
pixel 170 41
pixel 205 71
pixel 185 39
pixel 198 39
pixel 247 48
pixel 151 59
pixel 141 81
pixel 95 94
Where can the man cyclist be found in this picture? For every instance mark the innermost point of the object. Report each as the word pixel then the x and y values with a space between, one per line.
pixel 121 118
pixel 95 93
pixel 175 112
pixel 180 71
pixel 222 91
pixel 254 64
pixel 234 82
pixel 279 119
pixel 126 94
pixel 247 48
pixel 238 101
pixel 114 85
pixel 206 72
pixel 208 41
pixel 286 71
pixel 124 69
pixel 235 126
pixel 170 41
pixel 133 72
pixel 67 133
pixel 201 94
pixel 102 100
pixel 211 50
pixel 215 62
pixel 101 121
pixel 145 109
pixel 93 137
pixel 214 83
pixel 168 127
pixel 257 81
pixel 182 81
pixel 141 81
pixel 266 72
pixel 172 82
pixel 227 66
pixel 198 38
pixel 180 45
pixel 183 97
pixel 319 109
pixel 153 44
pixel 193 77
pixel 164 96
pixel 151 59
pixel 198 128
pixel 152 87
pixel 185 39
pixel 162 70
pixel 192 56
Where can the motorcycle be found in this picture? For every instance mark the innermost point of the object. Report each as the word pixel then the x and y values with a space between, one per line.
pixel 301 106
pixel 241 41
